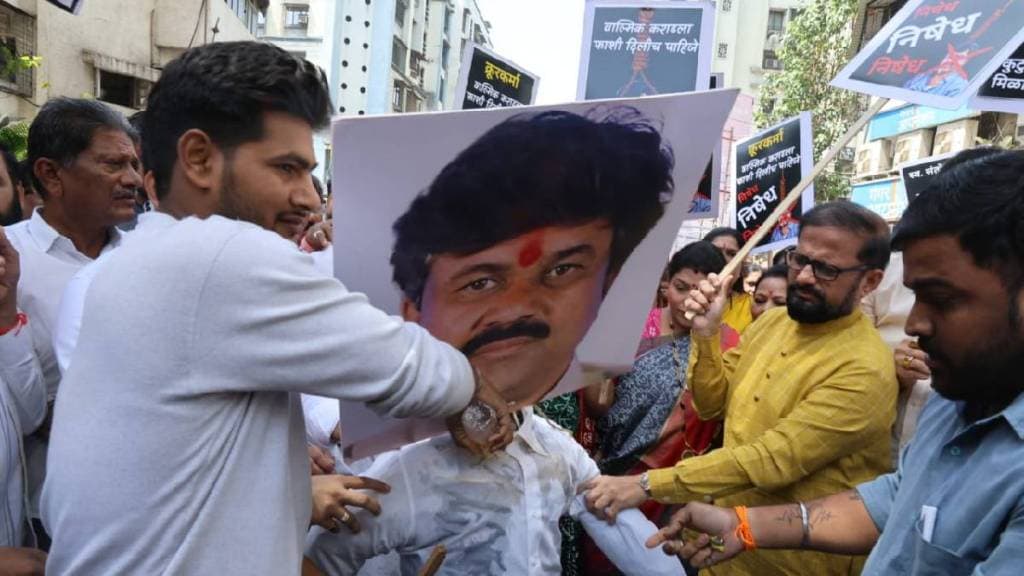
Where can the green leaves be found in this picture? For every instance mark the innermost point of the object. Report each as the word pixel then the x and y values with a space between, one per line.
pixel 815 48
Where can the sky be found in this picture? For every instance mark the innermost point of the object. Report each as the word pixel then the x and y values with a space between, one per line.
pixel 542 36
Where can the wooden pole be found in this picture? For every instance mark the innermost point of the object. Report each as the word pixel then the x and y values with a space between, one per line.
pixel 795 193
pixel 435 560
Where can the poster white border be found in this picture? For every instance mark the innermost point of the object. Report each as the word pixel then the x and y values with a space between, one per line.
pixel 845 80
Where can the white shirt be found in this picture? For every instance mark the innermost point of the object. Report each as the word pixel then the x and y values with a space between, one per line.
pixel 178 442
pixel 496 516
pixel 321 414
pixel 48 261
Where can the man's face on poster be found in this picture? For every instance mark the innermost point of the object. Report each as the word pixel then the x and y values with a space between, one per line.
pixel 519 308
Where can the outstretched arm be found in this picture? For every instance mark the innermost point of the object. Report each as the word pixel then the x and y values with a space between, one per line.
pixel 838 524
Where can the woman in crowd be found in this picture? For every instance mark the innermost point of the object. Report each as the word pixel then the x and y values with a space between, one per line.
pixel 652 422
pixel 770 290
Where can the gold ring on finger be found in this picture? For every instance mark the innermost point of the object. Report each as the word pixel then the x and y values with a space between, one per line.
pixel 907 360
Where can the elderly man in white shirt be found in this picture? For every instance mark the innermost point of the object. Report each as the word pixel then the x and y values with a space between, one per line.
pixel 84 164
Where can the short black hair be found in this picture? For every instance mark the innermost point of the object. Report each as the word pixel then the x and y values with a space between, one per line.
pixel 777 271
pixel 701 257
pixel 845 215
pixel 64 128
pixel 780 257
pixel 224 89
pixel 979 199
pixel 725 231
pixel 535 170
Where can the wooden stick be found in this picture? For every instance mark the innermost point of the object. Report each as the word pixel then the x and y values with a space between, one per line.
pixel 795 193
pixel 435 560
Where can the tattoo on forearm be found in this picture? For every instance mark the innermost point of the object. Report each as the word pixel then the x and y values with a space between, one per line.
pixel 817 514
pixel 789 515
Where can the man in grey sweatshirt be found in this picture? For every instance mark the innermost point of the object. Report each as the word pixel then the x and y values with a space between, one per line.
pixel 178 443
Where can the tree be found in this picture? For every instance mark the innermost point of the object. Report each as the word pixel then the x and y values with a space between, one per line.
pixel 815 48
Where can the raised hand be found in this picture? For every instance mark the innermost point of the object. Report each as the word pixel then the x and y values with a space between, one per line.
pixel 707 304
pixel 10 271
pixel 487 404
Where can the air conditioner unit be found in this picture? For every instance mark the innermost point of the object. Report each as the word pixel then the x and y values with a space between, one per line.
pixel 873 157
pixel 955 136
pixel 914 146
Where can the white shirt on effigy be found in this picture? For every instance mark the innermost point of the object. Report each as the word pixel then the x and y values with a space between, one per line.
pixel 495 516
pixel 22 408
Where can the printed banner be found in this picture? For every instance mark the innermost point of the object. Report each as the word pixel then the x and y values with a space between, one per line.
pixel 884 197
pixel 919 175
pixel 937 52
pixel 487 80
pixel 73 6
pixel 1004 91
pixel 644 47
pixel 768 165
pixel 528 238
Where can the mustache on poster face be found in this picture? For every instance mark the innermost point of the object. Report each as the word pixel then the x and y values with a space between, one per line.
pixel 519 329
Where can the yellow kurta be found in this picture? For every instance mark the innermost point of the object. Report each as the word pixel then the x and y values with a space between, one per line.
pixel 737 312
pixel 808 411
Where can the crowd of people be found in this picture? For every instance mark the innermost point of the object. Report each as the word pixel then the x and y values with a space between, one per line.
pixel 173 346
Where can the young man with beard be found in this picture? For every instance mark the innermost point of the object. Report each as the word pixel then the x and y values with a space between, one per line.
pixel 508 256
pixel 178 442
pixel 808 396
pixel 956 504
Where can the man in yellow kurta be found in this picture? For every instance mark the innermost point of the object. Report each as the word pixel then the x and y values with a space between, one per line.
pixel 808 396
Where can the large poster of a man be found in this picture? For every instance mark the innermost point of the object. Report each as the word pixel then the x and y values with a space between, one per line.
pixel 528 238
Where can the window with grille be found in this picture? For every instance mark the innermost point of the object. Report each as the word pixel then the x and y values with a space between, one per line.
pixel 771 61
pixel 723 50
pixel 296 16
pixel 17 39
pixel 776 22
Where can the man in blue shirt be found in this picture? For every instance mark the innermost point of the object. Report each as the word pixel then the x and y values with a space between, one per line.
pixel 956 504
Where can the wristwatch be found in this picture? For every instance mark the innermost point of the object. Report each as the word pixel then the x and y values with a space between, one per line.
pixel 645 485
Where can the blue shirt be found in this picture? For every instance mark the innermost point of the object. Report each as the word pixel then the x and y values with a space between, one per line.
pixel 973 476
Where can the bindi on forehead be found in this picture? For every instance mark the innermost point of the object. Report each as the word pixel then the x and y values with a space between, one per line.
pixel 532 249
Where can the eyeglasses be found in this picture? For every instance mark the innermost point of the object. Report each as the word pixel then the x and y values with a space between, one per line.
pixel 822 271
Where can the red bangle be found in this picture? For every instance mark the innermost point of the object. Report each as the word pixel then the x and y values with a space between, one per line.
pixel 20 319
pixel 743 532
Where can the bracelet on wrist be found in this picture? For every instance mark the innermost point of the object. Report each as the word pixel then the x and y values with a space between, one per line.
pixel 743 532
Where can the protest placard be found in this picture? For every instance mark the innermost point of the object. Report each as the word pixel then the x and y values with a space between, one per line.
pixel 920 174
pixel 645 47
pixel 487 80
pixel 768 165
pixel 1004 91
pixel 487 223
pixel 937 52
pixel 641 48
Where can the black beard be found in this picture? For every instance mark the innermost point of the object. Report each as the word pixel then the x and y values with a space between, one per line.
pixel 820 311
pixel 989 378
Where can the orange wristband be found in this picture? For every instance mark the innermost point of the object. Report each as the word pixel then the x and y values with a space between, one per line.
pixel 743 532
pixel 21 319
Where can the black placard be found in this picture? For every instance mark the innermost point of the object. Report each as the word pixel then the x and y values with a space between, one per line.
pixel 917 177
pixel 494 82
pixel 768 165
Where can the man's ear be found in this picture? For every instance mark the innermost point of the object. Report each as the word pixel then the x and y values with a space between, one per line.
pixel 410 312
pixel 870 282
pixel 48 173
pixel 201 161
